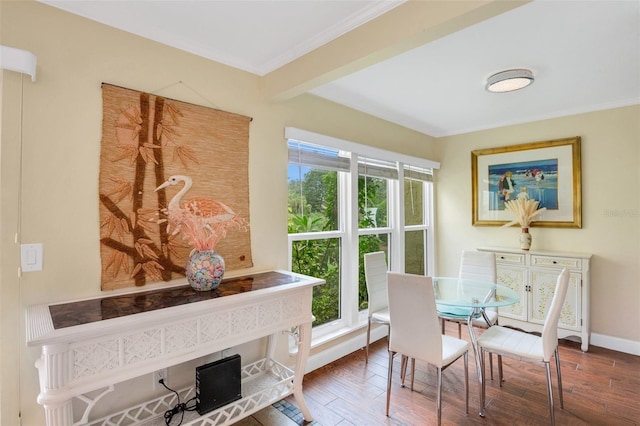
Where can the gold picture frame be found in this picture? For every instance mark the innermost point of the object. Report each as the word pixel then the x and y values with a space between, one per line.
pixel 547 171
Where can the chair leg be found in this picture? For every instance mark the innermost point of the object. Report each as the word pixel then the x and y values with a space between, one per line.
pixel 491 365
pixel 413 371
pixel 484 382
pixel 500 376
pixel 404 362
pixel 459 331
pixel 390 374
pixel 439 395
pixel 366 348
pixel 403 369
pixel 559 378
pixel 388 334
pixel 550 392
pixel 466 382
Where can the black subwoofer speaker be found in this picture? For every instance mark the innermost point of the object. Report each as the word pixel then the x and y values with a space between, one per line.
pixel 217 384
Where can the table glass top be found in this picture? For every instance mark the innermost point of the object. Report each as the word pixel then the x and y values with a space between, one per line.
pixel 466 293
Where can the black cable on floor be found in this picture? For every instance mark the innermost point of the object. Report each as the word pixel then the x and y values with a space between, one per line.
pixel 179 408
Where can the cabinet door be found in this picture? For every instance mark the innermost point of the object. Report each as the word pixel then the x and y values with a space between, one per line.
pixel 543 284
pixel 514 277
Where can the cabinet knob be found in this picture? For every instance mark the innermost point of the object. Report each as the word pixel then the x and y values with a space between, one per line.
pixel 555 261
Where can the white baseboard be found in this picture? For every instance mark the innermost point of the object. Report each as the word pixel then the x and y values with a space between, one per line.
pixel 357 342
pixel 337 351
pixel 615 343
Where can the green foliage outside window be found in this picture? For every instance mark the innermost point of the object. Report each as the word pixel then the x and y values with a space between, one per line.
pixel 313 208
pixel 372 196
pixel 320 258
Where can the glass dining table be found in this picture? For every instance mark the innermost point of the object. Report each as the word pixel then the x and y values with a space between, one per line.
pixel 467 299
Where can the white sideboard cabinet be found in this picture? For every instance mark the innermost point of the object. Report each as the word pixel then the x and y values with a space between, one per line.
pixel 90 345
pixel 533 275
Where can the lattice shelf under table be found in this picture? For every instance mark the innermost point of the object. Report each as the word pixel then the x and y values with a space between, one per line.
pixel 263 382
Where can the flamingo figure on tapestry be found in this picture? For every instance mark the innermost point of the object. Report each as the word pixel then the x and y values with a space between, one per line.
pixel 202 221
pixel 210 210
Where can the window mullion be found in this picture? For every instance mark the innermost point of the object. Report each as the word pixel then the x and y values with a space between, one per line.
pixel 374 231
pixel 315 235
pixel 429 217
pixel 350 246
pixel 396 199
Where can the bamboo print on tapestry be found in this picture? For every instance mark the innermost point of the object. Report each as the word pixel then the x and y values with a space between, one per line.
pixel 145 140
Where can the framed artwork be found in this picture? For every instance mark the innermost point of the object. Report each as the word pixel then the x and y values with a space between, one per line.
pixel 548 171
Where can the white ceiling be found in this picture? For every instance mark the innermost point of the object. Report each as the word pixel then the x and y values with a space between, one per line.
pixel 585 55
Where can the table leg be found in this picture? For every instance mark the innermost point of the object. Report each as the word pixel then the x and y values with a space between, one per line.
pixel 52 368
pixel 58 414
pixel 476 351
pixel 304 347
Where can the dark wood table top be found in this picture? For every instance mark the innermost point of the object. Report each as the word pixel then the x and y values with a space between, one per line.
pixel 104 308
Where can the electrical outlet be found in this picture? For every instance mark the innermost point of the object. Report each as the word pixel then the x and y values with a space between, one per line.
pixel 160 375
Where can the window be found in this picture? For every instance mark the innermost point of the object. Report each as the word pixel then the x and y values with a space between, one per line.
pixel 314 226
pixel 346 200
pixel 375 187
pixel 417 215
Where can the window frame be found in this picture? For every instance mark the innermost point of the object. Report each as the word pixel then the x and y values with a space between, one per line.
pixel 348 230
pixel 426 226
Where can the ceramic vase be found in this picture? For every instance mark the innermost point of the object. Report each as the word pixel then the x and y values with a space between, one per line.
pixel 204 270
pixel 525 239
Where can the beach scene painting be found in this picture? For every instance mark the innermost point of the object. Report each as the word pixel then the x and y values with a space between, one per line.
pixel 549 172
pixel 536 180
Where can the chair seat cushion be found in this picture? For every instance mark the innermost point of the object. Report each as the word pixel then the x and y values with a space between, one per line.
pixel 381 316
pixel 480 322
pixel 452 349
pixel 512 343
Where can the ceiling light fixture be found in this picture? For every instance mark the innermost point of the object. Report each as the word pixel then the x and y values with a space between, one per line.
pixel 509 80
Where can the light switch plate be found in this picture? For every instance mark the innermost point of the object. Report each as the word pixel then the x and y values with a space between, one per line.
pixel 31 257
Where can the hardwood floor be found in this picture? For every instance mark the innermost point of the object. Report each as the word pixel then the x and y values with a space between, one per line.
pixel 601 387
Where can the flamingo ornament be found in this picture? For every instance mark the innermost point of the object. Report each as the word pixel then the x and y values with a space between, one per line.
pixel 209 210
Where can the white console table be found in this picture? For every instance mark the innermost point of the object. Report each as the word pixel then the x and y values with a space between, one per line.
pixel 90 345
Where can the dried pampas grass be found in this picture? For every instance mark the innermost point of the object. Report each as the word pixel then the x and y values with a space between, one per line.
pixel 523 210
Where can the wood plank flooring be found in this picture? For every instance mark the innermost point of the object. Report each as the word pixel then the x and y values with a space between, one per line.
pixel 601 387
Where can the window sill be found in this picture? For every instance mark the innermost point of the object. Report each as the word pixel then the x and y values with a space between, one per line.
pixel 330 337
pixel 341 342
pixel 337 334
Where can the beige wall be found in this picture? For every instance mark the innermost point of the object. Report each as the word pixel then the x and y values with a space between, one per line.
pixel 61 143
pixel 610 183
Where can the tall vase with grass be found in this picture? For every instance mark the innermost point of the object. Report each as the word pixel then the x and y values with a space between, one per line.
pixel 524 212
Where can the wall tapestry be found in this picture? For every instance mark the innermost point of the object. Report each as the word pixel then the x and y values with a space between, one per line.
pixel 146 140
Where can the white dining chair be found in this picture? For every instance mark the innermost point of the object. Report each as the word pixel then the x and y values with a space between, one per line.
pixel 415 332
pixel 529 347
pixel 481 266
pixel 375 272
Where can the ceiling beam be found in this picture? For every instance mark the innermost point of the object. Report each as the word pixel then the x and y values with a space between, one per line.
pixel 403 28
